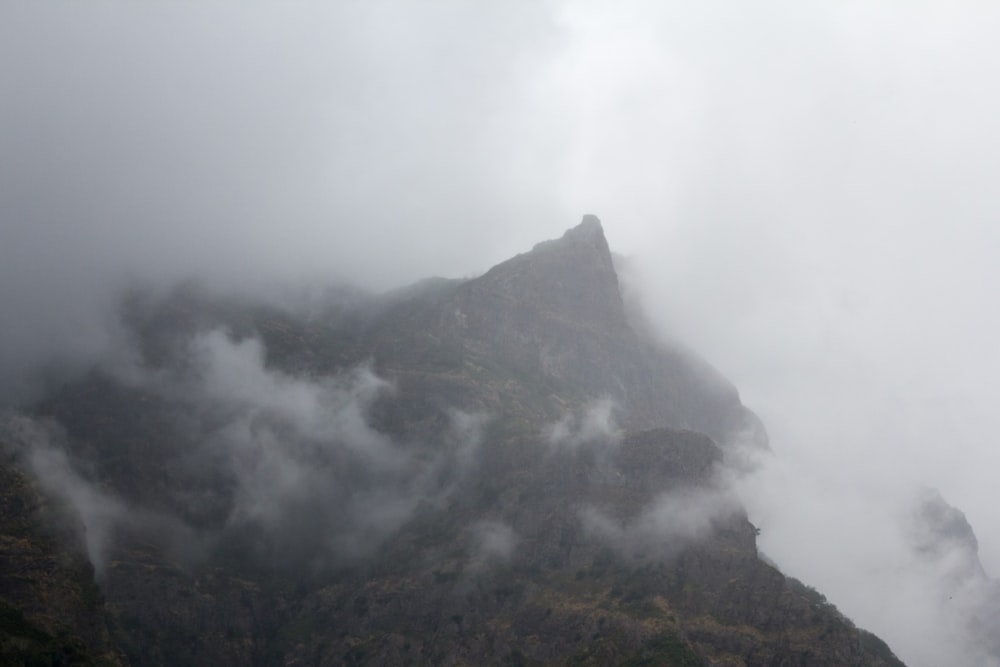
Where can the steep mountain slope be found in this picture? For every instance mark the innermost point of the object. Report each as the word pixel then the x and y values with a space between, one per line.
pixel 945 545
pixel 51 610
pixel 492 471
pixel 553 319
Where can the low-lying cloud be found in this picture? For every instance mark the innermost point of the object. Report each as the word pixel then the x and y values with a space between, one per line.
pixel 493 542
pixel 38 445
pixel 103 517
pixel 672 521
pixel 594 426
pixel 304 462
pixel 301 476
pixel 869 532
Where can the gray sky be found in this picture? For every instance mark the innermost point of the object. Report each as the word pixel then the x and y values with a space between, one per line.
pixel 809 190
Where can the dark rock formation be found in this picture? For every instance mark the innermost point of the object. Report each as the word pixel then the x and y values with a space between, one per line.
pixel 492 471
pixel 51 609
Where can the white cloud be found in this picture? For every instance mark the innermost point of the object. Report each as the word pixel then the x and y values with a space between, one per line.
pixel 669 523
pixel 100 513
pixel 595 426
pixel 306 467
pixel 493 542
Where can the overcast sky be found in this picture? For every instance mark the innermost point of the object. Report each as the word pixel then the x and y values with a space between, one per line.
pixel 809 189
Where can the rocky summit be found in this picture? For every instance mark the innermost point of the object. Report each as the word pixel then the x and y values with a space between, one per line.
pixel 504 470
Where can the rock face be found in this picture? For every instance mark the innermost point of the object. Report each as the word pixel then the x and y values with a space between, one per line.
pixel 492 471
pixel 943 541
pixel 51 609
pixel 553 318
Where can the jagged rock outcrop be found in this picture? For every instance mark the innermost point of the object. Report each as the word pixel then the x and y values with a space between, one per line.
pixel 552 321
pixel 939 531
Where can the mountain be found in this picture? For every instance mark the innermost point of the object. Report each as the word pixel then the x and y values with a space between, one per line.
pixel 945 545
pixel 499 470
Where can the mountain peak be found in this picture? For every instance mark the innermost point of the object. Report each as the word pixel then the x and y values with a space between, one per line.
pixel 589 228
pixel 588 234
pixel 573 276
pixel 557 312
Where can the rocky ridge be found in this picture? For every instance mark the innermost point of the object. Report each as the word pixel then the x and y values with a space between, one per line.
pixel 493 471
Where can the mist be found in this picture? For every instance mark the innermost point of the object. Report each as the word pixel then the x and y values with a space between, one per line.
pixel 665 526
pixel 594 427
pixel 99 513
pixel 276 471
pixel 806 192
